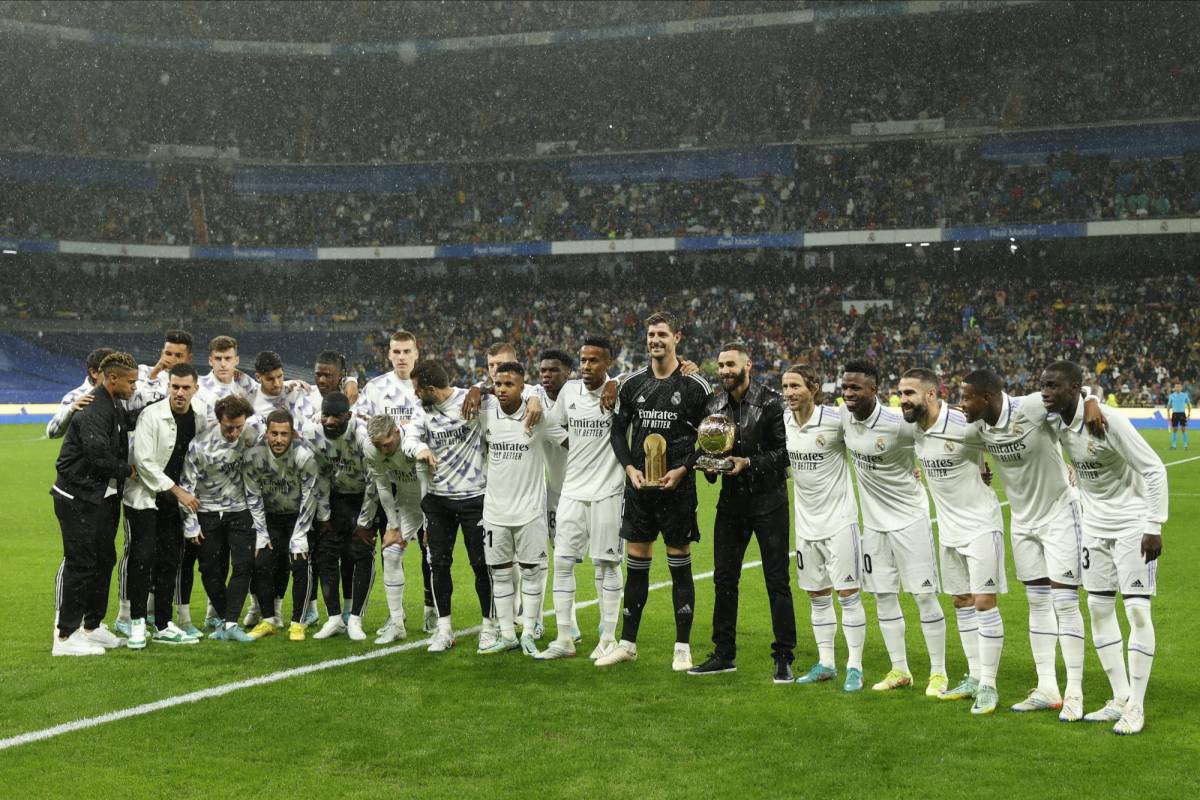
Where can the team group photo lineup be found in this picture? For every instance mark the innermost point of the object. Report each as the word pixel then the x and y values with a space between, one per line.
pixel 289 496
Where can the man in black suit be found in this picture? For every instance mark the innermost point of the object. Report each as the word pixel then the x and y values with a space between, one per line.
pixel 92 468
pixel 753 501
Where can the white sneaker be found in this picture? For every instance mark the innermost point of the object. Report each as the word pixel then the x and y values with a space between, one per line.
pixel 557 649
pixel 1072 708
pixel 332 627
pixel 681 661
pixel 624 651
pixel 1039 700
pixel 354 629
pixel 441 643
pixel 253 616
pixel 393 631
pixel 1131 722
pixel 430 622
pixel 1113 710
pixel 104 637
pixel 173 634
pixel 603 648
pixel 137 635
pixel 76 644
pixel 529 645
pixel 487 638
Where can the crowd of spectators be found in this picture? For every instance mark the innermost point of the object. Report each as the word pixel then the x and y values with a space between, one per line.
pixel 1135 329
pixel 346 21
pixel 887 185
pixel 1045 63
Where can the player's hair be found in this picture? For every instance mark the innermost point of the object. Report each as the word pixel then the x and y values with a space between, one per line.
pixel 281 415
pixel 380 427
pixel 118 362
pixel 175 336
pixel 864 368
pixel 986 381
pixel 219 344
pixel 332 357
pixel 98 355
pixel 809 376
pixel 1067 369
pixel 496 348
pixel 736 344
pixel 600 342
pixel 927 377
pixel 184 370
pixel 561 356
pixel 663 318
pixel 431 374
pixel 267 362
pixel 403 336
pixel 511 366
pixel 232 406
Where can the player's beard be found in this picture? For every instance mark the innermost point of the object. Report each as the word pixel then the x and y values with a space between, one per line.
pixel 733 381
pixel 919 412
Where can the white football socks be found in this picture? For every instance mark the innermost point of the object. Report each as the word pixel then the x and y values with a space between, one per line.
pixel 393 581
pixel 504 600
pixel 1070 637
pixel 1043 635
pixel 891 625
pixel 968 634
pixel 1141 647
pixel 991 644
pixel 824 625
pixel 854 628
pixel 933 627
pixel 564 596
pixel 1107 639
pixel 610 599
pixel 532 586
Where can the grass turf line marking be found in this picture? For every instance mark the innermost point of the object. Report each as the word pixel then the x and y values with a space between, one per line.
pixel 296 672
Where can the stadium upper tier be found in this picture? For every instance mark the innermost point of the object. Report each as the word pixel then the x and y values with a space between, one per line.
pixel 1136 327
pixel 906 185
pixel 1045 63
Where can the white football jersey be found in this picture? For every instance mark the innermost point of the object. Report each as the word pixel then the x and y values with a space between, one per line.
pixel 881 446
pixel 951 456
pixel 1026 450
pixel 396 482
pixel 387 394
pixel 285 484
pixel 295 401
pixel 212 471
pixel 554 452
pixel 1122 480
pixel 591 471
pixel 461 472
pixel 824 498
pixel 57 426
pixel 341 459
pixel 516 479
pixel 213 390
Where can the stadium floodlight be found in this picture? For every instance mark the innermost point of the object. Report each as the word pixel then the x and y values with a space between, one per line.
pixel 924 244
pixel 957 248
pixel 908 244
pixel 10 252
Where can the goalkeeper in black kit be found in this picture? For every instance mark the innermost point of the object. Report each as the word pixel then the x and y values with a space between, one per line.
pixel 659 399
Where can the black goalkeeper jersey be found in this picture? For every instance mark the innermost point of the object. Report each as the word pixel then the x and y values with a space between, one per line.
pixel 673 407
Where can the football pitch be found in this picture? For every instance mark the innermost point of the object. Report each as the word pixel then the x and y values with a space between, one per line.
pixel 280 719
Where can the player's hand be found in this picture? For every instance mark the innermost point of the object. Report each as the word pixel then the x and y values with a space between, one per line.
pixel 291 386
pixel 365 535
pixel 133 473
pixel 1072 476
pixel 1093 420
pixel 917 474
pixel 83 402
pixel 195 540
pixel 533 414
pixel 392 536
pixel 427 456
pixel 673 477
pixel 688 367
pixel 635 476
pixel 608 395
pixel 351 392
pixel 1151 546
pixel 986 474
pixel 301 556
pixel 186 499
pixel 264 546
pixel 471 403
pixel 740 465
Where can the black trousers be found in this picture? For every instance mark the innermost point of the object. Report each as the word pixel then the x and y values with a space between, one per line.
pixel 227 549
pixel 731 536
pixel 340 553
pixel 274 565
pixel 155 547
pixel 443 518
pixel 89 533
pixel 189 558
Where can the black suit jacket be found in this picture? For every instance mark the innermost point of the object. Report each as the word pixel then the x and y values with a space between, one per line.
pixel 95 450
pixel 762 438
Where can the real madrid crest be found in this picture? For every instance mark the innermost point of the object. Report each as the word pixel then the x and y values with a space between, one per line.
pixel 948 447
pixel 1017 431
pixel 880 444
pixel 676 399
pixel 821 439
pixel 1091 447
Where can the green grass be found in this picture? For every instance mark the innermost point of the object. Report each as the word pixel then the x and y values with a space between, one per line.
pixel 411 724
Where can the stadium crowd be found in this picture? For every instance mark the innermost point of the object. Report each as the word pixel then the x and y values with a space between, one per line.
pixel 1121 61
pixel 895 185
pixel 1137 333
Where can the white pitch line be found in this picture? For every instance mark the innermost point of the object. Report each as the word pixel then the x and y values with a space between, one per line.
pixel 296 672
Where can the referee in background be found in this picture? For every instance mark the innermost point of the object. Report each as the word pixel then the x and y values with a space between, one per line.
pixel 92 468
